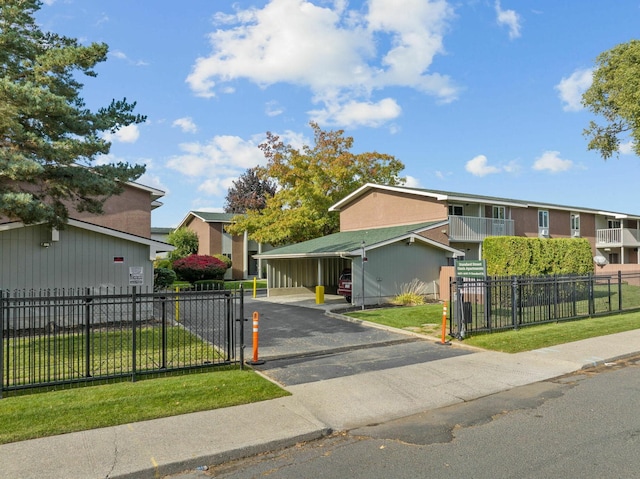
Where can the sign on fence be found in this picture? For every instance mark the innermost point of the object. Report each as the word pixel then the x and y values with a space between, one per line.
pixel 136 276
pixel 471 268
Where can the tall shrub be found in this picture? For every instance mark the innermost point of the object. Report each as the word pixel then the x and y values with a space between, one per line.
pixel 518 256
pixel 199 267
pixel 185 242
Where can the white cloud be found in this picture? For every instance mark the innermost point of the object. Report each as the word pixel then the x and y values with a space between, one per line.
pixel 571 89
pixel 509 18
pixel 273 108
pixel 412 182
pixel 217 163
pixel 221 155
pixel 512 167
pixel 478 166
pixel 186 124
pixel 353 113
pixel 126 134
pixel 359 52
pixel 626 148
pixel 154 181
pixel 120 55
pixel 551 161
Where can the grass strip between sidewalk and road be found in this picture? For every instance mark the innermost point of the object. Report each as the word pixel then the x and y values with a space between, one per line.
pixel 427 319
pixel 81 408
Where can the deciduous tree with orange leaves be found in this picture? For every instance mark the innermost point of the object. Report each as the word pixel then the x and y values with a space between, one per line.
pixel 309 181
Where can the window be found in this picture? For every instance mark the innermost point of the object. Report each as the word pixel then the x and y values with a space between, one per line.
pixel 456 210
pixel 499 215
pixel 543 222
pixel 611 224
pixel 575 224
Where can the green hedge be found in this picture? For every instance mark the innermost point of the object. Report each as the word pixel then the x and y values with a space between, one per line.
pixel 519 256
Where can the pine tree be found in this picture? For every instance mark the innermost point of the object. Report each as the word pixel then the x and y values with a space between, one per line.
pixel 49 139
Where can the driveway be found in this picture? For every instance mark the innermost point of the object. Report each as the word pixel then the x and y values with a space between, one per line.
pixel 300 344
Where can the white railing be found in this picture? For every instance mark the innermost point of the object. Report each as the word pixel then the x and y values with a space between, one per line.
pixel 617 237
pixel 473 228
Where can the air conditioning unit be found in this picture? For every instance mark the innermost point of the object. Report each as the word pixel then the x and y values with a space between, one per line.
pixel 544 232
pixel 576 234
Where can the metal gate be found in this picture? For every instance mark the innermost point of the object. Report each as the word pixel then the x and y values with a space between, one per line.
pixel 69 336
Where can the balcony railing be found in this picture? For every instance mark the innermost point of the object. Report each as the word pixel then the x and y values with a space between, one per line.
pixel 618 237
pixel 473 228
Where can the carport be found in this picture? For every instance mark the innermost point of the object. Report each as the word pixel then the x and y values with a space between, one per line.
pixel 383 262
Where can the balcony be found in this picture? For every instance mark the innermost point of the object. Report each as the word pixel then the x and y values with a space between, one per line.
pixel 618 237
pixel 475 229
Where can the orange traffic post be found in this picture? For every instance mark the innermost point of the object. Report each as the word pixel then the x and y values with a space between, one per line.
pixel 256 320
pixel 443 341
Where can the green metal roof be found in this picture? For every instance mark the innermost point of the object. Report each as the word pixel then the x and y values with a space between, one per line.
pixel 211 217
pixel 345 242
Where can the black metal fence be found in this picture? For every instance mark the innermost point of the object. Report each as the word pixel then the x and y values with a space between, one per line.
pixel 499 303
pixel 68 336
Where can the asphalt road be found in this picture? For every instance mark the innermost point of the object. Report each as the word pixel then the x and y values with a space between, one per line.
pixel 583 425
pixel 301 345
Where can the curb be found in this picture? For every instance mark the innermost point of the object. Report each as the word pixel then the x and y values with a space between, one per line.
pixel 226 456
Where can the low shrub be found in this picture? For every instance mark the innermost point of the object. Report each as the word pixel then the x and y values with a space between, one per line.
pixel 163 278
pixel 225 259
pixel 199 267
pixel 411 294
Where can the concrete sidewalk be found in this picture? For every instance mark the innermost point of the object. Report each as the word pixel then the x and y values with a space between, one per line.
pixel 166 446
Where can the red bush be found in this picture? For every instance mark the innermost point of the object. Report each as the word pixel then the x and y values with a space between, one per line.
pixel 198 267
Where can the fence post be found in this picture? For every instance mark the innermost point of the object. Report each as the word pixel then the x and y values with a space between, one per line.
pixel 163 303
pixel 619 290
pixel 2 343
pixel 134 334
pixel 487 302
pixel 87 333
pixel 514 302
pixel 242 320
pixel 229 326
pixel 592 305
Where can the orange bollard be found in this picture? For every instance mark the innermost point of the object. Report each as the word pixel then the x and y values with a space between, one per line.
pixel 444 326
pixel 256 320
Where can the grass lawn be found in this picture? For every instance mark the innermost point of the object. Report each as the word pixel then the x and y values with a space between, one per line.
pixel 81 408
pixel 545 335
pixel 63 356
pixel 247 285
pixel 427 320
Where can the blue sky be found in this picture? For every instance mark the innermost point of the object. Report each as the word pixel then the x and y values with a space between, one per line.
pixel 473 96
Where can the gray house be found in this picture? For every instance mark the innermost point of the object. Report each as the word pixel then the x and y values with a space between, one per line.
pixel 83 255
pixel 393 257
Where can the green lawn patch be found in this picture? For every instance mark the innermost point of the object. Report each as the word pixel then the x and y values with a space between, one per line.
pixel 427 320
pixel 58 412
pixel 260 283
pixel 62 357
pixel 546 335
